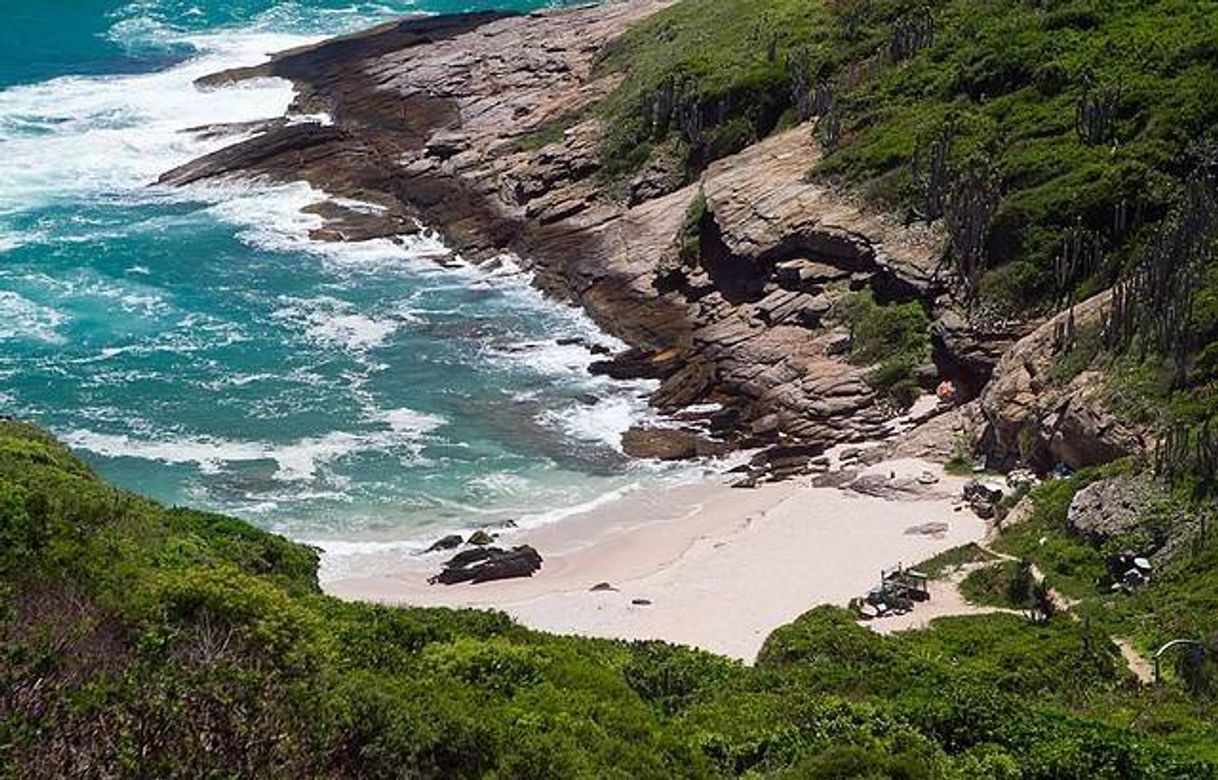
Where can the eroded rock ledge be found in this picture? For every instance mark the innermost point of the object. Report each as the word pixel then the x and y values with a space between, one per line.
pixel 481 126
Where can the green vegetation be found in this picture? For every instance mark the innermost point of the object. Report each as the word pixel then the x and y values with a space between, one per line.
pixel 954 558
pixel 1006 584
pixel 1084 110
pixel 893 339
pixel 1182 598
pixel 1069 364
pixel 542 137
pixel 961 463
pixel 1069 564
pixel 703 79
pixel 141 640
pixel 548 133
pixel 691 229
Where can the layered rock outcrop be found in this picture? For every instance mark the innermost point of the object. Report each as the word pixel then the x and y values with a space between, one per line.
pixel 1032 416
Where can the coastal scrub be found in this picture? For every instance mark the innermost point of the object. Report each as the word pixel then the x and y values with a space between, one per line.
pixel 139 639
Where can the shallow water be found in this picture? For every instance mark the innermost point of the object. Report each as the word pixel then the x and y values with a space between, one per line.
pixel 195 346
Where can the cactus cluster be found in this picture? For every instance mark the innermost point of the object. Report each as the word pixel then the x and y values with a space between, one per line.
pixel 1096 112
pixel 911 33
pixel 811 96
pixel 968 209
pixel 1152 307
pixel 1187 452
pixel 829 129
pixel 1081 254
pixel 932 170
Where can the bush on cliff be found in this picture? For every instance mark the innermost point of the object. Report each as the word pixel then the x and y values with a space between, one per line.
pixel 893 339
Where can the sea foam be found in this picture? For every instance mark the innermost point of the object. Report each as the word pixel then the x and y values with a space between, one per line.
pixel 296 461
pixel 21 318
pixel 104 140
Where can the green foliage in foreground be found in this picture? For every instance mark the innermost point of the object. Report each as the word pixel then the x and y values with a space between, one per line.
pixel 137 640
pixel 1181 602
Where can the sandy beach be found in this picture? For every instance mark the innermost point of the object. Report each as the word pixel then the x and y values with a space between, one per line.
pixel 719 567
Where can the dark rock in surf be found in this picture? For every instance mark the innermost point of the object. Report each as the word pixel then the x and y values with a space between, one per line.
pixel 669 444
pixel 468 557
pixel 449 542
pixel 637 363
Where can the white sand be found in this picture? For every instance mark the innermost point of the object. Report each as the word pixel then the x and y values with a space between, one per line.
pixel 722 567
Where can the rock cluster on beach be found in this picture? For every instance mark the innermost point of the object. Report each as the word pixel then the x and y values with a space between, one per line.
pixel 436 121
pixel 485 564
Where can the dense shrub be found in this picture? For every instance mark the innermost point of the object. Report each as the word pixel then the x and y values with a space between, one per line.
pixel 893 339
pixel 137 640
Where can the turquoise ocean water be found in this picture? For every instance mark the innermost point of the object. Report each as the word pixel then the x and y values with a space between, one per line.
pixel 195 345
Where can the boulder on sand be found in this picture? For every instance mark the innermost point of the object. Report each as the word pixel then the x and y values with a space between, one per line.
pixel 484 564
pixel 983 498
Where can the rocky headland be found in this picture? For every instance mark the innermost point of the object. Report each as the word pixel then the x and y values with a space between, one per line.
pixel 483 127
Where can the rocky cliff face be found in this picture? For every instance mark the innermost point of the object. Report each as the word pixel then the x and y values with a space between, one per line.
pixel 482 127
pixel 1029 415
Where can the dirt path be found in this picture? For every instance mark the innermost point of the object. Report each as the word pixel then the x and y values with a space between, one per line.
pixel 1138 666
pixel 1137 663
pixel 1062 602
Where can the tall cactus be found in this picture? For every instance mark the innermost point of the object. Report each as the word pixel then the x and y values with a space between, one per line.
pixel 911 33
pixel 829 128
pixel 1065 334
pixel 968 211
pixel 663 105
pixel 852 20
pixel 1152 306
pixel 765 36
pixel 1187 451
pixel 692 122
pixel 1096 113
pixel 811 97
pixel 1080 255
pixel 932 170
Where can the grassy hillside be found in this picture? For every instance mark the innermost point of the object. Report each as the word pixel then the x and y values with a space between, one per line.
pixel 1063 146
pixel 137 639
pixel 1086 112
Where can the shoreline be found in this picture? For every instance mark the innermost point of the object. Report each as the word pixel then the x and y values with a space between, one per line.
pixel 462 103
pixel 720 567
